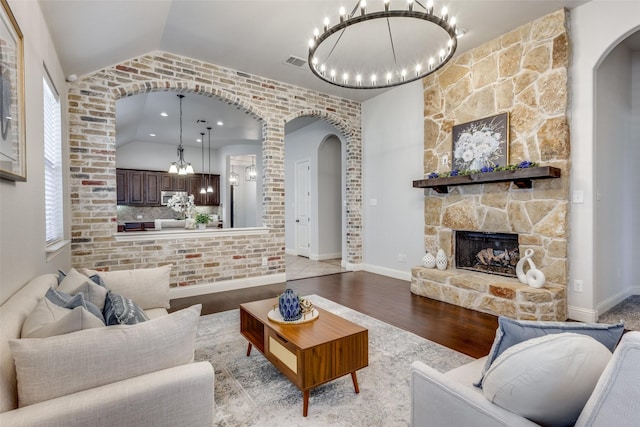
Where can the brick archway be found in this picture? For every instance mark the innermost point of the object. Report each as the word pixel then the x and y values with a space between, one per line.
pixel 91 136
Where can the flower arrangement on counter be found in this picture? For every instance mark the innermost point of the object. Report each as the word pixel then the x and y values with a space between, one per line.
pixel 183 204
pixel 522 165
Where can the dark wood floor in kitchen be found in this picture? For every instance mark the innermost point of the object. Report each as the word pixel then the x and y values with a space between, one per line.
pixel 389 300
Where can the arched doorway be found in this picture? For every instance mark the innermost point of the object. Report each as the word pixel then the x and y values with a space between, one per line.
pixel 616 151
pixel 314 152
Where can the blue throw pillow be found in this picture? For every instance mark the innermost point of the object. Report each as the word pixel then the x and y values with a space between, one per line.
pixel 511 332
pixel 68 301
pixel 120 310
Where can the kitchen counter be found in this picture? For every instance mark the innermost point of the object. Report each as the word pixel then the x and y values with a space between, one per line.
pixel 182 233
pixel 159 224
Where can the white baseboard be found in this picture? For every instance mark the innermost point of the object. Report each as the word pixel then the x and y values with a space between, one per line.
pixel 322 257
pixel 582 314
pixel 616 299
pixel 396 274
pixel 226 285
pixel 290 252
pixel 351 267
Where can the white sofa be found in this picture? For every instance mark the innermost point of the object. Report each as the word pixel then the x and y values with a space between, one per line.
pixel 450 399
pixel 178 395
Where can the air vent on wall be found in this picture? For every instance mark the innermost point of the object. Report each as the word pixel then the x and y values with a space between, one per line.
pixel 295 61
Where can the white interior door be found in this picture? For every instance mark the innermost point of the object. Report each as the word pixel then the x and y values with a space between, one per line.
pixel 303 207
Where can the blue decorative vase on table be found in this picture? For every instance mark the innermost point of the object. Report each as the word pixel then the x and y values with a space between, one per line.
pixel 289 306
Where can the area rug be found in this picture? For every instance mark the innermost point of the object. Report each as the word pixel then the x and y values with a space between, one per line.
pixel 628 310
pixel 249 391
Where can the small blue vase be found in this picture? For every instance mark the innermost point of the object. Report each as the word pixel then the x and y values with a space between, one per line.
pixel 289 305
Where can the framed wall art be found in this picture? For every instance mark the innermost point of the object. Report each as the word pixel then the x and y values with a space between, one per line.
pixel 13 164
pixel 482 143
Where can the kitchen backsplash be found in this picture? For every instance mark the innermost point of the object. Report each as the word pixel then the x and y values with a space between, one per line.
pixel 134 213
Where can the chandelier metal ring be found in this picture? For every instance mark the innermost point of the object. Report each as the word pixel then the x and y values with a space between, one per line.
pixel 389 78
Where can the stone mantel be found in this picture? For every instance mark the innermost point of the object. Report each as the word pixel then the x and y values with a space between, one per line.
pixel 490 293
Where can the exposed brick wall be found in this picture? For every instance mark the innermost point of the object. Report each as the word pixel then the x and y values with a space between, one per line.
pixel 197 260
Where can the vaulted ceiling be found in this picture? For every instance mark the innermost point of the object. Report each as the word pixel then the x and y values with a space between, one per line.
pixel 255 36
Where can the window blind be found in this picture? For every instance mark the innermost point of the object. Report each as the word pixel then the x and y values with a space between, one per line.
pixel 53 191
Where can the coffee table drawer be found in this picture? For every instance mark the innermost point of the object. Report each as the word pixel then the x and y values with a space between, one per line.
pixel 284 355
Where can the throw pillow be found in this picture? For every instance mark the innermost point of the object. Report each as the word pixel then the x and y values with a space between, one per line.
pixel 120 310
pixel 511 332
pixel 548 379
pixel 58 366
pixel 148 287
pixel 89 289
pixel 49 319
pixel 72 301
pixel 74 277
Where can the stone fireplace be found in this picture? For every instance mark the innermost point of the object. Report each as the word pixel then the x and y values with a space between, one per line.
pixel 524 73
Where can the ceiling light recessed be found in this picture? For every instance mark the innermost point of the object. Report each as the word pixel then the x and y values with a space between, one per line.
pixel 163 114
pixel 220 123
pixel 152 134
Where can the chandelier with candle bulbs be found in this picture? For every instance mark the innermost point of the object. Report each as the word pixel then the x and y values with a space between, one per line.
pixel 181 167
pixel 398 43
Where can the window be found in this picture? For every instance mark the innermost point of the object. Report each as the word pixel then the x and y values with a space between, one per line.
pixel 53 191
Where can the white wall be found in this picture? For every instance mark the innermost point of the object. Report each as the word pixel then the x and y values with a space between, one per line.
pixel 613 170
pixel 330 199
pixel 393 150
pixel 244 200
pixel 634 182
pixel 22 220
pixel 596 28
pixel 299 145
pixel 223 163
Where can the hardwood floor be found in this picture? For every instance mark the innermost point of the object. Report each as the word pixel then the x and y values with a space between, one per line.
pixel 386 299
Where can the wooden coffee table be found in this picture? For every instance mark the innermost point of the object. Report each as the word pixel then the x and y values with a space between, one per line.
pixel 309 354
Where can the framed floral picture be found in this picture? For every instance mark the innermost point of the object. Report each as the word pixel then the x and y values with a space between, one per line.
pixel 12 119
pixel 482 143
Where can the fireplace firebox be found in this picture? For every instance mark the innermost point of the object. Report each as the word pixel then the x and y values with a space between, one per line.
pixel 494 253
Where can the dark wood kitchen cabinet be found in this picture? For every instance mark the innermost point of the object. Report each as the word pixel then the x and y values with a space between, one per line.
pixel 144 188
pixel 137 187
pixel 213 199
pixel 122 187
pixel 208 199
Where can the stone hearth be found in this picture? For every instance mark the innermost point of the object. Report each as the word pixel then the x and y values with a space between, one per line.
pixel 491 294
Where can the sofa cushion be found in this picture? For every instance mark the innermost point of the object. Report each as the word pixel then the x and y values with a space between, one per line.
pixel 148 287
pixel 73 278
pixel 547 379
pixel 614 400
pixel 91 291
pixel 72 301
pixel 120 310
pixel 511 332
pixel 57 366
pixel 49 319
